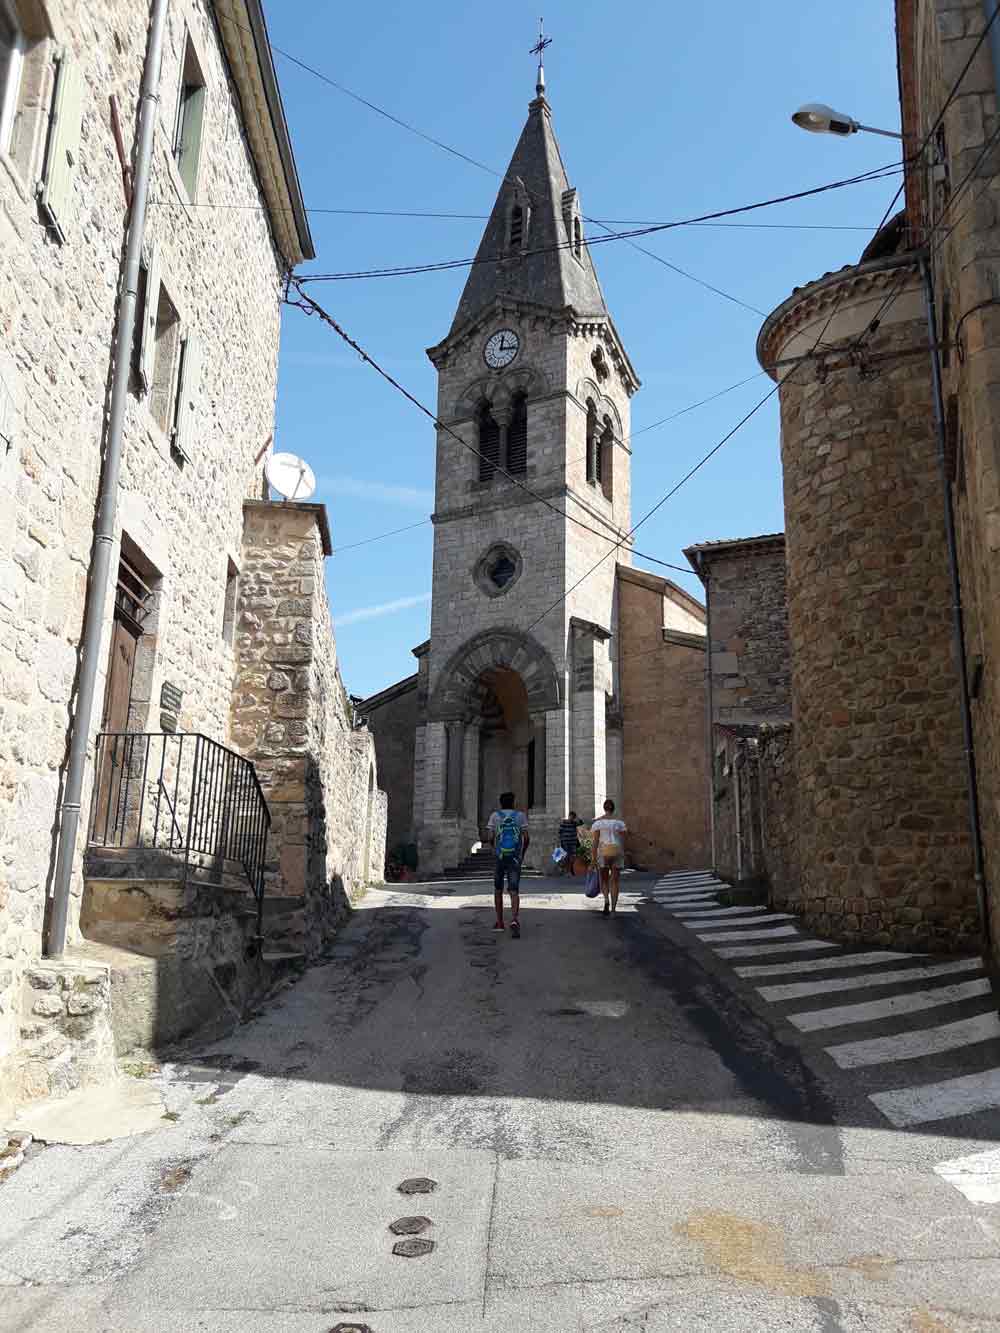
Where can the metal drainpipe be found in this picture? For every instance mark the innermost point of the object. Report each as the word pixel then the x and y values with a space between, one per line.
pixel 993 38
pixel 709 707
pixel 107 500
pixel 959 623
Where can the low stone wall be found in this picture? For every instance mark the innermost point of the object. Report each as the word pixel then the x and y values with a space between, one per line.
pixel 65 1030
pixel 779 814
pixel 292 716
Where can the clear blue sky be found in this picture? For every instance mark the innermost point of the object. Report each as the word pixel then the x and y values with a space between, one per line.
pixel 662 112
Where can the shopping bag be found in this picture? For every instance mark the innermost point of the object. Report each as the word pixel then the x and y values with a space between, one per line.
pixel 593 882
pixel 559 855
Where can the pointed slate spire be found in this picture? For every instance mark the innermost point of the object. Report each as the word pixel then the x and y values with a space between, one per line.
pixel 538 257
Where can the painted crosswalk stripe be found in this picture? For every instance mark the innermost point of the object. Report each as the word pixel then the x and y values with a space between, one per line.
pixel 915 1045
pixel 977 1175
pixel 822 964
pixel 771 933
pixel 872 1010
pixel 668 900
pixel 739 921
pixel 752 950
pixel 703 912
pixel 940 1101
pixel 798 990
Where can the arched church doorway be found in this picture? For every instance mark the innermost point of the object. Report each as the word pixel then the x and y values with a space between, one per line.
pixel 494 699
pixel 508 746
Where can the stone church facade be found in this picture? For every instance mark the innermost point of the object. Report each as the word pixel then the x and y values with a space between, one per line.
pixel 522 683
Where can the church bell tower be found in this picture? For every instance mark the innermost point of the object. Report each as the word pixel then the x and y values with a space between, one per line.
pixel 518 680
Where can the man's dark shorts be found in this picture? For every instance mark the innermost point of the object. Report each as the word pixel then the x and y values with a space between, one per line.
pixel 509 868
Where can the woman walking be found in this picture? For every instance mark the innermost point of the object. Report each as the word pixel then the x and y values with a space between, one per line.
pixel 609 845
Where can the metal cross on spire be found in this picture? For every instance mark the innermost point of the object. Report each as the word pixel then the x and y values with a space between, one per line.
pixel 537 50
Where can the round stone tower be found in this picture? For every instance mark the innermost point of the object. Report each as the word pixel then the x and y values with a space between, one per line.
pixel 883 835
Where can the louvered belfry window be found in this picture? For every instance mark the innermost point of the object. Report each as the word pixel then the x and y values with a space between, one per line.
pixel 517 437
pixel 489 444
pixel 516 227
pixel 592 447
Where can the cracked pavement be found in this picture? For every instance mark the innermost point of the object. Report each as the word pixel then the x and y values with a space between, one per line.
pixel 619 1139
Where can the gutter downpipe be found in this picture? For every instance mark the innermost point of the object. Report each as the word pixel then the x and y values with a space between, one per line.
pixel 709 705
pixel 107 500
pixel 975 826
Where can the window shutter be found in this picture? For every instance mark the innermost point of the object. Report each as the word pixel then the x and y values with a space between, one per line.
pixel 187 393
pixel 63 157
pixel 147 347
pixel 189 139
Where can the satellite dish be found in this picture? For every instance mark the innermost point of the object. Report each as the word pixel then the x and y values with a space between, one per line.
pixel 292 478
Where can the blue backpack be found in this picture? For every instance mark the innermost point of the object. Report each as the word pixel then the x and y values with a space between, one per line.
pixel 508 835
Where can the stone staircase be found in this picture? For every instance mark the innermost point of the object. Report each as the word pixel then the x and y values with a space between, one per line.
pixel 479 865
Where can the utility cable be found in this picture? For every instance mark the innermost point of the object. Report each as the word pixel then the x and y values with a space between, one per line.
pixel 405 270
pixel 311 307
pixel 652 426
pixel 484 217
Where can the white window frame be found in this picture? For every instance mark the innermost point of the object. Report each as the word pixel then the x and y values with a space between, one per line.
pixel 8 99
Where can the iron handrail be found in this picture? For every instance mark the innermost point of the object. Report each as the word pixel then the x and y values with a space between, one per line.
pixel 182 793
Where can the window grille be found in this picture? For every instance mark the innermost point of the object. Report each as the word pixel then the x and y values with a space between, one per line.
pixel 489 444
pixel 517 437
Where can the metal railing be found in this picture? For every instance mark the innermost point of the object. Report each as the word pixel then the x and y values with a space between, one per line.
pixel 180 793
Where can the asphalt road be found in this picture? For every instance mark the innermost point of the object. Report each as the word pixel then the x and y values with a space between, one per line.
pixel 620 1138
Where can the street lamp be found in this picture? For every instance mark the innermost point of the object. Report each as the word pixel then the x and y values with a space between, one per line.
pixel 820 119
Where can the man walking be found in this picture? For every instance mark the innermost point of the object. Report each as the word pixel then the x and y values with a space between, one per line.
pixel 569 840
pixel 507 830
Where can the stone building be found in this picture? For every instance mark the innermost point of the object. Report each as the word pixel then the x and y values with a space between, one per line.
pixel 952 183
pixel 749 691
pixel 189 608
pixel 522 683
pixel 881 822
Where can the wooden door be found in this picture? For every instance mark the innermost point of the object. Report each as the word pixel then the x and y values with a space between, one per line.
pixel 113 755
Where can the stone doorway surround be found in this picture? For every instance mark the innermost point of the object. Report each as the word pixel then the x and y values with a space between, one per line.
pixel 493 717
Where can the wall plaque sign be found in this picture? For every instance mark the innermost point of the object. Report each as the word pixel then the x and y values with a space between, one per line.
pixel 170 706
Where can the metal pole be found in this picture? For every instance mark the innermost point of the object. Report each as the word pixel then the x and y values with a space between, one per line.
pixel 107 501
pixel 709 709
pixel 975 827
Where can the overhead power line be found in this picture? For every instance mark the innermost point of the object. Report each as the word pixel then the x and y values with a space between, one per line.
pixel 654 425
pixel 878 173
pixel 483 217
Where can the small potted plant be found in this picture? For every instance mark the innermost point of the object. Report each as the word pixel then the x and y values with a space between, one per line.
pixel 584 857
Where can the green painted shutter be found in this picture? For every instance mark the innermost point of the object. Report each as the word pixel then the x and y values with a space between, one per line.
pixel 147 345
pixel 187 393
pixel 189 145
pixel 63 158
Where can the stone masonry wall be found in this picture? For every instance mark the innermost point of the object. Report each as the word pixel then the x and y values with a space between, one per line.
pixel 748 619
pixel 883 838
pixel 664 794
pixel 966 268
pixel 392 717
pixel 291 715
pixel 779 814
pixel 57 302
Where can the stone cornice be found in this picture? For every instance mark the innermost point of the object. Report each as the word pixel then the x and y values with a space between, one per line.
pixel 243 36
pixel 574 323
pixel 388 694
pixel 832 292
pixel 276 508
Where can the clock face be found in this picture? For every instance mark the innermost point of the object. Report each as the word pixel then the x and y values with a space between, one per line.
pixel 501 348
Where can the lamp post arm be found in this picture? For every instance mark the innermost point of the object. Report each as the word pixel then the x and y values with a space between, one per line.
pixel 887 134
